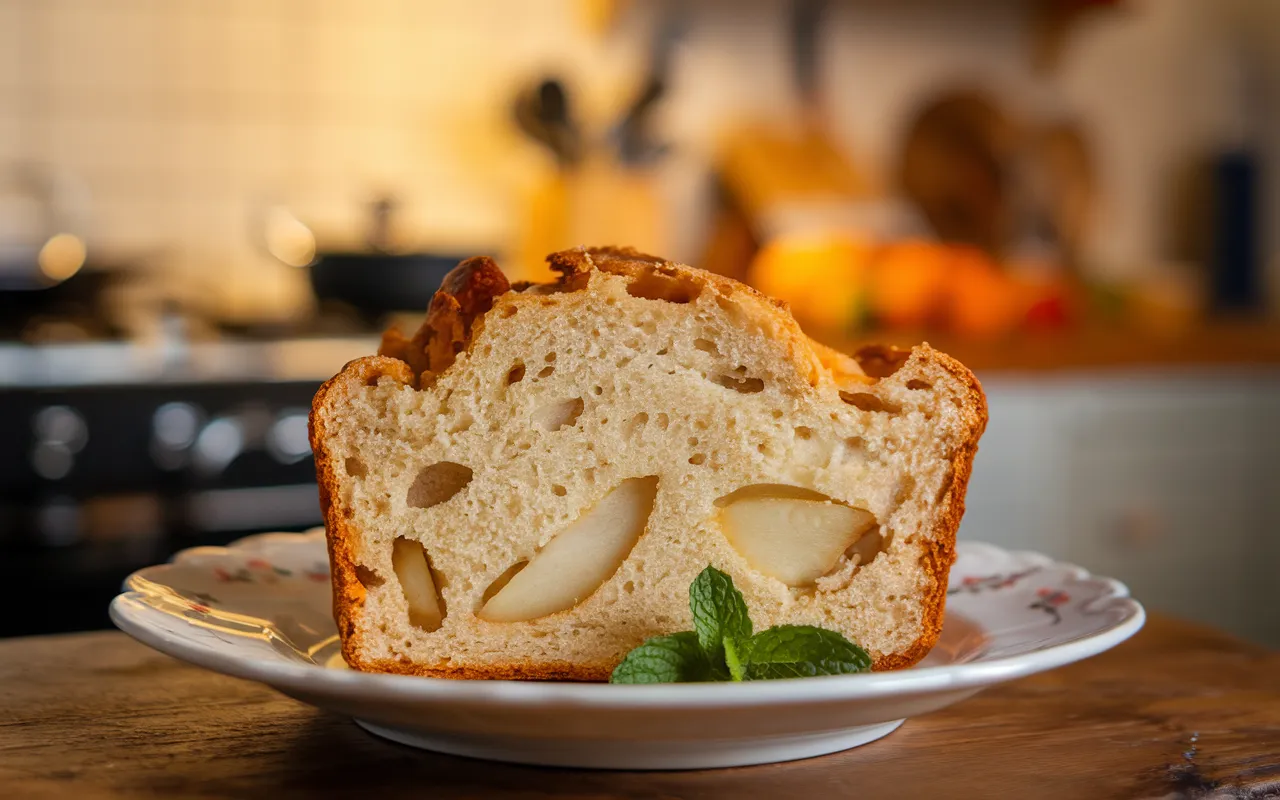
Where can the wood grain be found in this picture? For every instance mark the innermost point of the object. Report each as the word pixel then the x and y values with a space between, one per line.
pixel 1178 711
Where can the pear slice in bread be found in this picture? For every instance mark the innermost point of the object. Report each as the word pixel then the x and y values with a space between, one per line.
pixel 526 487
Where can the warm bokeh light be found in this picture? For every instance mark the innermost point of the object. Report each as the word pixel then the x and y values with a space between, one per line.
pixel 288 238
pixel 61 256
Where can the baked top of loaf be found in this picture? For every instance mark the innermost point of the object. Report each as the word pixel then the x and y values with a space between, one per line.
pixel 527 486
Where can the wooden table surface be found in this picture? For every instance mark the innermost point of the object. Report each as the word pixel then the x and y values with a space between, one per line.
pixel 1177 711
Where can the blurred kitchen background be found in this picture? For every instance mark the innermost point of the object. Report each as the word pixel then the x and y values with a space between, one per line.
pixel 206 208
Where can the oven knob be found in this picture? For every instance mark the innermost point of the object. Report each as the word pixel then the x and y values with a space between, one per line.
pixel 60 433
pixel 218 444
pixel 287 439
pixel 174 427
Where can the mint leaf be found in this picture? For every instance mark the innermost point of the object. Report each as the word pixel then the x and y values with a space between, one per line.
pixel 677 658
pixel 801 651
pixel 722 647
pixel 737 671
pixel 719 613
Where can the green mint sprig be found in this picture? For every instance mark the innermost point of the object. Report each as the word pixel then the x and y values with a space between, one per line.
pixel 722 647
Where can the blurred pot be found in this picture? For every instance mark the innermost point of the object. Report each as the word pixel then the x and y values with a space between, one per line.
pixel 376 283
pixel 373 281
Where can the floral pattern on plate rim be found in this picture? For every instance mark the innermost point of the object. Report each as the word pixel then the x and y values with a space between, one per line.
pixel 276 586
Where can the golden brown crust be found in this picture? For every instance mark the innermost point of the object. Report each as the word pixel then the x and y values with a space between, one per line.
pixel 466 295
pixel 941 552
pixel 542 671
pixel 348 592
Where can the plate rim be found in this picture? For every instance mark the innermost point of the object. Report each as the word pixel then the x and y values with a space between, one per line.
pixel 130 614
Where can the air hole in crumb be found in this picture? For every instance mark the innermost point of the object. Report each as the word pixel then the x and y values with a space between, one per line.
pixel 803 432
pixel 776 413
pixel 546 372
pixel 706 346
pixel 866 401
pixel 663 351
pixel 697 459
pixel 367 577
pixel 693 441
pixel 671 288
pixel 437 483
pixel 869 545
pixel 462 423
pixel 502 580
pixel 917 384
pixel 597 390
pixel 881 362
pixel 701 424
pixel 743 385
pixel 559 491
pixel 555 416
pixel 508 311
pixel 649 327
pixel 516 374
pixel 355 467
pixel 663 420
pixel 629 587
pixel 637 423
pixel 906 488
pixel 589 475
pixel 549 357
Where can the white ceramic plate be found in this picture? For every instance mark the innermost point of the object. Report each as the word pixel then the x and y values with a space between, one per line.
pixel 260 609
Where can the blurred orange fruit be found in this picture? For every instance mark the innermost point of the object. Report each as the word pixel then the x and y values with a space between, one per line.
pixel 907 283
pixel 981 300
pixel 820 276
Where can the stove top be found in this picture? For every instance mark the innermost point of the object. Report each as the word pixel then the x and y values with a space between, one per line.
pixel 124 362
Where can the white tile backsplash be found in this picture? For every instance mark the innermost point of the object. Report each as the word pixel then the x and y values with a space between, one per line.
pixel 174 105
pixel 187 117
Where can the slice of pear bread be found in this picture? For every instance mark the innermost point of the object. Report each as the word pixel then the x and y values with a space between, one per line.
pixel 527 486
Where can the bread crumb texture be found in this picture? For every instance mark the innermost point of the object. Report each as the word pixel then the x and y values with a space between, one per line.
pixel 631 370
